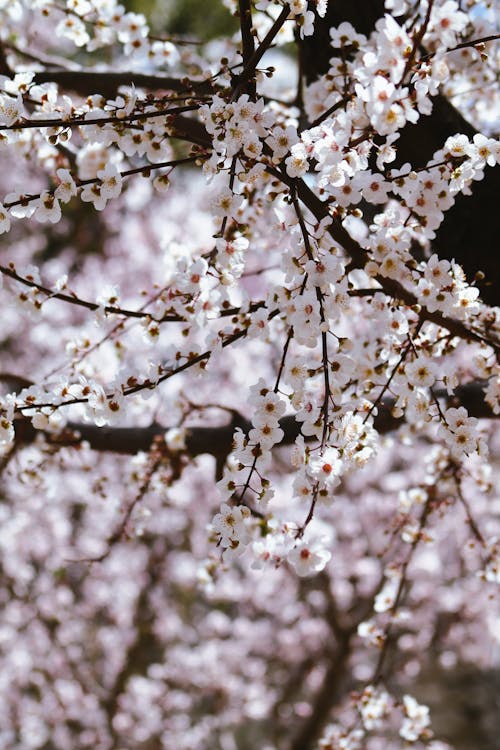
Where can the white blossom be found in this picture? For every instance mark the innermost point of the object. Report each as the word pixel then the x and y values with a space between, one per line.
pixel 308 558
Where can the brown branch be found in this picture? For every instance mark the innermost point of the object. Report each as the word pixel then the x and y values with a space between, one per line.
pixel 148 384
pixel 217 440
pixel 144 170
pixel 107 84
pixel 253 61
pixel 73 299
pixel 379 667
pixel 141 314
pixel 120 532
pixel 191 130
pixel 417 40
pixel 146 648
pixel 4 65
pixel 86 82
pixel 79 121
pixel 188 129
pixel 330 691
pixel 248 46
pixel 478 42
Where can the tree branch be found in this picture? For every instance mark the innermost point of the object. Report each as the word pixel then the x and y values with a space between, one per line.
pixel 217 440
pixel 328 694
pixel 107 83
pixel 248 45
pixel 359 258
pixel 254 59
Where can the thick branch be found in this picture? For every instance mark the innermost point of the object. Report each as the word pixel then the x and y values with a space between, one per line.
pixel 251 64
pixel 217 441
pixel 248 43
pixel 327 696
pixel 145 649
pixel 107 83
pixel 188 129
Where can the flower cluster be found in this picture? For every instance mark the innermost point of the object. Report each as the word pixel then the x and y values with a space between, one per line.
pixel 416 723
pixel 376 709
pixel 237 128
pixel 459 432
pixel 230 528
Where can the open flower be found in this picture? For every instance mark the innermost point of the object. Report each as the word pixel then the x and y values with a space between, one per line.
pixel 225 203
pixel 421 372
pixel 47 208
pixel 111 181
pixel 229 524
pixel 4 220
pixel 308 558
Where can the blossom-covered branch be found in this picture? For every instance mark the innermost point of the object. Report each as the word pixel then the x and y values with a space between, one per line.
pixel 217 440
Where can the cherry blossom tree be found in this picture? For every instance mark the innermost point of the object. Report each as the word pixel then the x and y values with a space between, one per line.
pixel 250 374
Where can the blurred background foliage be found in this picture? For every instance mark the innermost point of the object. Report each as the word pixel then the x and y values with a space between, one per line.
pixel 196 19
